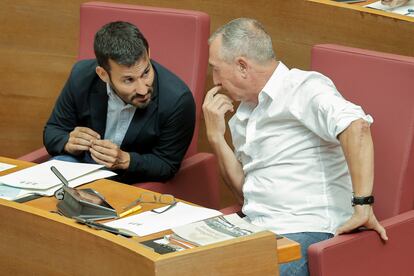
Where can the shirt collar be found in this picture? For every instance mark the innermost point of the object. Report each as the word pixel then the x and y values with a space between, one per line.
pixel 245 109
pixel 275 81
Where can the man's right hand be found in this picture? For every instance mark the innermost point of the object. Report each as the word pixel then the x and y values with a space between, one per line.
pixel 81 139
pixel 215 106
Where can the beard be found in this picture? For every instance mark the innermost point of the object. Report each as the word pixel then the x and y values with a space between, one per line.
pixel 141 101
pixel 137 100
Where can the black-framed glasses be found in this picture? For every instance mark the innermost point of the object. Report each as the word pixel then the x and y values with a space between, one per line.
pixel 155 198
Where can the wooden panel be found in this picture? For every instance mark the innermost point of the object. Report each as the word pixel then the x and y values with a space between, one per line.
pixel 38 42
pixel 228 259
pixel 46 244
pixel 40 243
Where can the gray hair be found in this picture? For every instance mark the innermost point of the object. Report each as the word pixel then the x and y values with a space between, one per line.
pixel 244 37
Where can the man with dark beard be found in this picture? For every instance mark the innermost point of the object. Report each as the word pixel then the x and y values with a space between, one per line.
pixel 122 110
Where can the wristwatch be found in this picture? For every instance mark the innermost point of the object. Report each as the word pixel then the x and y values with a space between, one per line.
pixel 362 200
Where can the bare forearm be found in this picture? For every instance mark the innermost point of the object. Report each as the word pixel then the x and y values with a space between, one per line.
pixel 358 148
pixel 230 167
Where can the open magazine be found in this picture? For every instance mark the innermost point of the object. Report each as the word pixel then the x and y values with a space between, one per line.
pixel 213 230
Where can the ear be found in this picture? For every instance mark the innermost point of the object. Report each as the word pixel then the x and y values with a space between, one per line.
pixel 149 53
pixel 242 66
pixel 101 72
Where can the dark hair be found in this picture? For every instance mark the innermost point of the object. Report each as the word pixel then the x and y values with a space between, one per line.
pixel 120 41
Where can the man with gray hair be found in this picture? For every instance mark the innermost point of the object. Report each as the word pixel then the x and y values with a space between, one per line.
pixel 301 151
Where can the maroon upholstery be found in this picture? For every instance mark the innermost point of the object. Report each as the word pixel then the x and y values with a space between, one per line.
pixel 178 40
pixel 383 85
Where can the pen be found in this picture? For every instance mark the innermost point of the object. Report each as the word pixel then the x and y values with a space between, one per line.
pixel 100 226
pixel 130 211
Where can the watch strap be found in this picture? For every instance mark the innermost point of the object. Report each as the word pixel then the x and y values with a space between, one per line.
pixel 362 200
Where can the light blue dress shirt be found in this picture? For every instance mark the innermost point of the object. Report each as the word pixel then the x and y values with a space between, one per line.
pixel 118 117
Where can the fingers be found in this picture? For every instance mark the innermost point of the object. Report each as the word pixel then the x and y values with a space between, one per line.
pixel 348 226
pixel 358 220
pixel 215 102
pixel 375 225
pixel 212 92
pixel 381 231
pixel 109 154
pixel 215 106
pixel 84 135
pixel 104 150
pixel 80 139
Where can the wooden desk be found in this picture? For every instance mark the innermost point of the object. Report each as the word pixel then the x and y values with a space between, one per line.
pixel 32 239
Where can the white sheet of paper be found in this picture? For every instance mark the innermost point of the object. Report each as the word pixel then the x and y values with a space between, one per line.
pixel 149 222
pixel 400 10
pixel 12 193
pixel 40 177
pixel 4 166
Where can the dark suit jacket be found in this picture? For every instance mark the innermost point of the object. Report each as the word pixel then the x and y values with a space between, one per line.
pixel 158 136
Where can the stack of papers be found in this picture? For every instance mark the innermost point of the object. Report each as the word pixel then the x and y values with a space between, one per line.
pixel 40 180
pixel 149 222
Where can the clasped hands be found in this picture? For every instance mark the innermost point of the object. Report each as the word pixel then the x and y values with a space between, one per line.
pixel 104 152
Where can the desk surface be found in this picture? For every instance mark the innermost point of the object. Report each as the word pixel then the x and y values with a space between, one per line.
pixel 119 195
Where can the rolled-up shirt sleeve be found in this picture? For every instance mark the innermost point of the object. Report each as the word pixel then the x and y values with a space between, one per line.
pixel 320 107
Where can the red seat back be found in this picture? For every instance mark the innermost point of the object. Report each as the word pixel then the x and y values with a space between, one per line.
pixel 383 84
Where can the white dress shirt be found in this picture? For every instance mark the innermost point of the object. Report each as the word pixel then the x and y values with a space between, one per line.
pixel 118 117
pixel 296 176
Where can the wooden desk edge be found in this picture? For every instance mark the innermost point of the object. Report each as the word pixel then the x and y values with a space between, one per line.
pixel 291 249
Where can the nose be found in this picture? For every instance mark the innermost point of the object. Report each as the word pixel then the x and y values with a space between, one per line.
pixel 140 87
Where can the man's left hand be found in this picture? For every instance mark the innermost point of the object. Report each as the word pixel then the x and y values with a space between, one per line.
pixel 106 153
pixel 363 216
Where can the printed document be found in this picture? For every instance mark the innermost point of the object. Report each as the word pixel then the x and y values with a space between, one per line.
pixel 40 177
pixel 215 229
pixel 149 222
pixel 40 180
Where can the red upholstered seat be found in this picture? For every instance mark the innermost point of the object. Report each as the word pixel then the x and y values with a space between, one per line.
pixel 383 85
pixel 178 40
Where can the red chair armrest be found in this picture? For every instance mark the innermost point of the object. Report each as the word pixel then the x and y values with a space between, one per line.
pixel 365 253
pixel 37 156
pixel 232 209
pixel 197 181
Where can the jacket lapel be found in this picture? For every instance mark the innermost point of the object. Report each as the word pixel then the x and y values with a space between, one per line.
pixel 98 107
